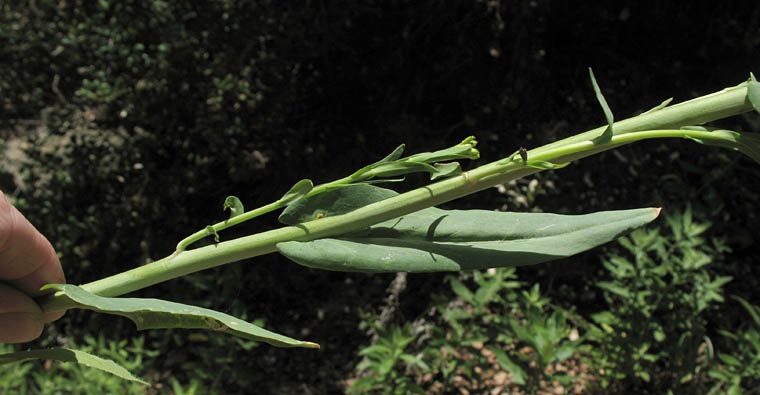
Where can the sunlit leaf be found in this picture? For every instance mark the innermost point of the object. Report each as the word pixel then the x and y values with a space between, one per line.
pixel 68 355
pixel 449 240
pixel 157 314
pixel 607 135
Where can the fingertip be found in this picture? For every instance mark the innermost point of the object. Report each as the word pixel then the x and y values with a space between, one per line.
pixel 20 327
pixel 52 316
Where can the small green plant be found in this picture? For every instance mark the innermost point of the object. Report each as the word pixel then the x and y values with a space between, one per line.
pixel 382 362
pixel 57 377
pixel 659 292
pixel 349 225
pixel 740 369
pixel 497 334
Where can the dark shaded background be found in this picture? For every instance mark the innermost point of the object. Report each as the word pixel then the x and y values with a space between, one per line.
pixel 137 119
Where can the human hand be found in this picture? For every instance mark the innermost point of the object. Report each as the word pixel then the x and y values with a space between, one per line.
pixel 27 262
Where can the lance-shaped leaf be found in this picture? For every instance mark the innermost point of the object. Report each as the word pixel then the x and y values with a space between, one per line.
pixel 448 240
pixel 68 355
pixel 157 314
pixel 607 135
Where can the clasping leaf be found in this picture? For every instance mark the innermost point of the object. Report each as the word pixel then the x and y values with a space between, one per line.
pixel 433 240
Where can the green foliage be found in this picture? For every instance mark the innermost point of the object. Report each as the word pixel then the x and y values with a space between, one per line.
pixel 217 90
pixel 68 355
pixel 659 296
pixel 497 334
pixel 381 361
pixel 739 366
pixel 33 377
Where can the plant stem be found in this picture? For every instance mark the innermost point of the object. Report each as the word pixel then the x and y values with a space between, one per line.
pixel 728 102
pixel 182 245
pixel 248 215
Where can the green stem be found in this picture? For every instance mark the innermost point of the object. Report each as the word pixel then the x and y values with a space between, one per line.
pixel 182 245
pixel 248 215
pixel 729 102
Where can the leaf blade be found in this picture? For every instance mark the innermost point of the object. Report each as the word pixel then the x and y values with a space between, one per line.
pixel 69 355
pixel 235 206
pixel 160 314
pixel 607 134
pixel 333 202
pixel 451 240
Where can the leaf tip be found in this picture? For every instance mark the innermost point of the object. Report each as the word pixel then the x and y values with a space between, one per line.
pixel 57 287
pixel 657 211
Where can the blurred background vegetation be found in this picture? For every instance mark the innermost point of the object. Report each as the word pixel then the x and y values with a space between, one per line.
pixel 124 125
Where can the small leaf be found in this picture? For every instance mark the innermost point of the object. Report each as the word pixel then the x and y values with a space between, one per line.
pixel 211 231
pixel 420 163
pixel 746 142
pixel 544 165
pixel 297 191
pixel 519 376
pixel 393 155
pixel 235 206
pixel 604 317
pixel 659 106
pixel 753 92
pixel 614 288
pixel 401 167
pixel 450 240
pixel 446 170
pixel 464 150
pixel 157 314
pixel 333 202
pixel 607 135
pixel 753 311
pixel 68 355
